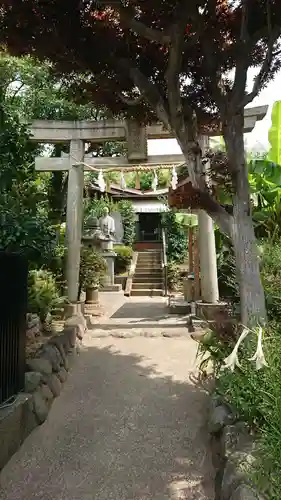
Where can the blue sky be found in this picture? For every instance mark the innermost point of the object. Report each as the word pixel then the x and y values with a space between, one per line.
pixel 257 139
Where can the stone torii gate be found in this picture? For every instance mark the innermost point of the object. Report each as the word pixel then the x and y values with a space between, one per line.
pixel 77 133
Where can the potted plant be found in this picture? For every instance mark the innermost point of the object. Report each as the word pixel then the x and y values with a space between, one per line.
pixel 92 271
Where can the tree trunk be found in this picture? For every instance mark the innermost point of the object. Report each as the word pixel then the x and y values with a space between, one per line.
pixel 252 299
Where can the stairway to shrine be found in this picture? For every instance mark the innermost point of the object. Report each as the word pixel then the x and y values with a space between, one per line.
pixel 148 278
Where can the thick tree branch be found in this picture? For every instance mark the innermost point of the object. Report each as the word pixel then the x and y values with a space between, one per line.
pixel 148 90
pixel 240 76
pixel 127 20
pixel 130 102
pixel 273 34
pixel 172 77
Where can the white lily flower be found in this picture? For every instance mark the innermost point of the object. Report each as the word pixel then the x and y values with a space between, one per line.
pixel 232 360
pixel 259 357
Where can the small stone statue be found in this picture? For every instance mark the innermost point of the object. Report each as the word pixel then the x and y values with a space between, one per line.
pixel 107 225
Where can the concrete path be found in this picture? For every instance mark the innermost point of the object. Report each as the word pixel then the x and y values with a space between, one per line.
pixel 137 312
pixel 129 425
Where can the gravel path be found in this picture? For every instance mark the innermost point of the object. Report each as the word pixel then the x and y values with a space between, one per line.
pixel 129 425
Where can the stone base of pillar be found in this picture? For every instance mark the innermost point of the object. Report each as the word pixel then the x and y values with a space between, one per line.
pixel 94 309
pixel 210 311
pixel 74 309
pixel 111 288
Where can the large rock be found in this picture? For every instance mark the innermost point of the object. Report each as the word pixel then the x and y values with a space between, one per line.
pixel 79 323
pixel 219 417
pixel 237 468
pixel 33 320
pixel 62 344
pixel 70 333
pixel 53 383
pixel 235 438
pixel 32 381
pixel 244 492
pixel 62 375
pixel 52 354
pixel 47 394
pixel 39 365
pixel 40 407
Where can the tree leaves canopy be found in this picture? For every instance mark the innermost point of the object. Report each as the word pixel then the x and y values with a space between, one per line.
pixel 167 50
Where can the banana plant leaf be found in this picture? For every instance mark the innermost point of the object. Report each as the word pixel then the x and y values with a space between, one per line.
pixel 190 220
pixel 274 134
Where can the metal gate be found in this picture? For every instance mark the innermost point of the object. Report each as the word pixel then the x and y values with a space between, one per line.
pixel 13 307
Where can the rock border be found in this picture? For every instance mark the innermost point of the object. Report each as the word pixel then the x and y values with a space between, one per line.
pixel 45 373
pixel 233 452
pixel 47 370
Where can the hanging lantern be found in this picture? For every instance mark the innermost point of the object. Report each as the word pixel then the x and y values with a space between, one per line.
pixel 122 180
pixel 101 182
pixel 174 181
pixel 155 181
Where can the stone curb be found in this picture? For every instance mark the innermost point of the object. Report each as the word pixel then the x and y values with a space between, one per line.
pixel 130 333
pixel 233 453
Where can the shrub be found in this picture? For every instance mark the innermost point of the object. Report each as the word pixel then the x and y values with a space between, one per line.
pixel 126 210
pixel 92 268
pixel 123 258
pixel 173 276
pixel 43 294
pixel 176 237
pixel 254 396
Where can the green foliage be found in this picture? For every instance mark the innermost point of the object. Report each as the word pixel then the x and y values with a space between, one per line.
pixel 92 268
pixel 94 208
pixel 126 210
pixel 255 396
pixel 123 258
pixel 43 293
pixel 228 286
pixel 173 276
pixel 274 134
pixel 271 277
pixel 146 179
pixel 175 236
pixel 265 182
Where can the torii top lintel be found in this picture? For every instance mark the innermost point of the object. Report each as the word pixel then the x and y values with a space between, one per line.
pixel 52 131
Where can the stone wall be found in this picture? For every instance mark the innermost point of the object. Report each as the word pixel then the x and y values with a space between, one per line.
pixel 45 374
pixel 234 453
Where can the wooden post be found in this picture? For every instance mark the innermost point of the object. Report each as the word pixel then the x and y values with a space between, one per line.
pixel 190 249
pixel 196 269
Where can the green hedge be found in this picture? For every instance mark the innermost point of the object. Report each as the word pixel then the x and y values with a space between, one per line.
pixel 123 258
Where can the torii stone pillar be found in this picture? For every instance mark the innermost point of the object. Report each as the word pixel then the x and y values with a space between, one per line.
pixel 207 251
pixel 74 218
pixel 208 258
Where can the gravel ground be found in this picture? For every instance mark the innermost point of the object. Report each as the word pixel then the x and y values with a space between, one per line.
pixel 128 425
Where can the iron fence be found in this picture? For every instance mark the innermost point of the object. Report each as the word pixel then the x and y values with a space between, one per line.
pixel 13 308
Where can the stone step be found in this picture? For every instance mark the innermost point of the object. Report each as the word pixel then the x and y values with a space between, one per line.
pixel 150 279
pixel 147 292
pixel 151 286
pixel 149 263
pixel 147 274
pixel 148 269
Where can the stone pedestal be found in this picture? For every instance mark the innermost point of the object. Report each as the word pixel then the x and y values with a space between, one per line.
pixel 74 309
pixel 108 284
pixel 211 311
